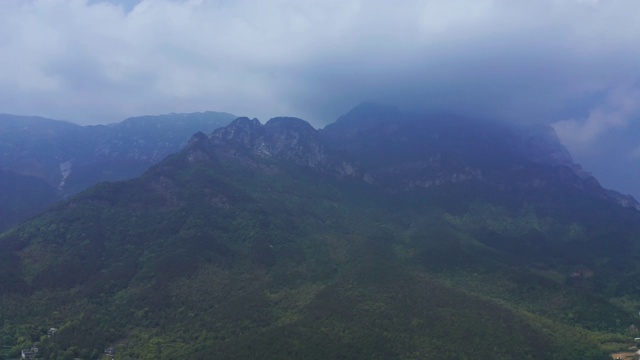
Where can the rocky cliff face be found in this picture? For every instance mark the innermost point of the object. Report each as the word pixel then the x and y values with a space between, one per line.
pixel 383 147
pixel 283 138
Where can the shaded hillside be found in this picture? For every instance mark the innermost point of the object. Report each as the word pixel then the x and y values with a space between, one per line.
pixel 22 196
pixel 274 241
pixel 70 157
pixel 401 151
pixel 128 148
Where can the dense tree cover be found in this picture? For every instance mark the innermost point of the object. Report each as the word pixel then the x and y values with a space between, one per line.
pixel 22 196
pixel 233 257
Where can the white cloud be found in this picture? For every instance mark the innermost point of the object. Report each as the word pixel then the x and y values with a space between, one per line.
pixel 621 106
pixel 96 61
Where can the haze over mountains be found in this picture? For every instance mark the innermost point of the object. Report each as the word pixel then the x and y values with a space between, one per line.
pixel 44 160
pixel 384 235
pixel 60 158
pixel 572 64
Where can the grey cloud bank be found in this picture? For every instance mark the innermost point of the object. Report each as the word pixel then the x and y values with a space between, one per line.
pixel 574 64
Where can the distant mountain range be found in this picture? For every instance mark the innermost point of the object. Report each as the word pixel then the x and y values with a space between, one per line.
pixel 70 158
pixel 385 235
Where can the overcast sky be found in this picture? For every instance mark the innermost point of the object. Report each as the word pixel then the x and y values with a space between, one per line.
pixel 574 64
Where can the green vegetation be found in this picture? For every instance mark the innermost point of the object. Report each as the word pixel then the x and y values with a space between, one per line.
pixel 237 257
pixel 22 196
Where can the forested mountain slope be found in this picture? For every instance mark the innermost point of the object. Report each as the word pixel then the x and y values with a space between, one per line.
pixel 401 237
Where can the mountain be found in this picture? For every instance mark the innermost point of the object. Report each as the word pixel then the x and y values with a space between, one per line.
pixel 410 152
pixel 126 149
pixel 613 155
pixel 405 236
pixel 71 158
pixel 22 196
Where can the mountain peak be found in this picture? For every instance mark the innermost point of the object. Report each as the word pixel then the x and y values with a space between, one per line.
pixel 291 123
pixel 540 143
pixel 362 120
pixel 241 130
pixel 197 137
pixel 283 138
pixel 370 110
pixel 242 124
